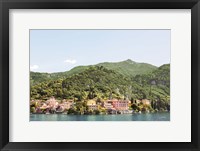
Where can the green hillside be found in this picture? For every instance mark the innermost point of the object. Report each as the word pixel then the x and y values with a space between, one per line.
pixel 37 77
pixel 157 85
pixel 127 68
pixel 98 82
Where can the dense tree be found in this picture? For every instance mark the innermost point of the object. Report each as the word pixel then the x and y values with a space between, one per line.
pixel 100 83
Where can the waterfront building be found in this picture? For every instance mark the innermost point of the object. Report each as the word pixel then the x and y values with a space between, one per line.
pixel 91 104
pixel 143 101
pixel 53 104
pixel 120 104
pixel 107 105
pixel 44 106
pixel 68 104
pixel 146 102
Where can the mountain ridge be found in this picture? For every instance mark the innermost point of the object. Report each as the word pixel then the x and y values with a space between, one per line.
pixel 126 67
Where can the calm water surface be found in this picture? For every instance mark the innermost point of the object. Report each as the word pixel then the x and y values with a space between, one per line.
pixel 118 117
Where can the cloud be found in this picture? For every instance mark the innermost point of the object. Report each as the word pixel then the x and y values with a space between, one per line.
pixel 70 61
pixel 34 67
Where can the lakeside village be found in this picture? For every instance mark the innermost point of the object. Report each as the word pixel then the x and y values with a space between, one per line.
pixel 113 106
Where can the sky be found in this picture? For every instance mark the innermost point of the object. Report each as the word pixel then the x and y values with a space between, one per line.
pixel 61 50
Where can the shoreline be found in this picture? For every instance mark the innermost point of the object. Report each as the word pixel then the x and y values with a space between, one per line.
pixel 102 114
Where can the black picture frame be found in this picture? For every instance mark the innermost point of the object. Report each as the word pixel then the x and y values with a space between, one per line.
pixel 5 5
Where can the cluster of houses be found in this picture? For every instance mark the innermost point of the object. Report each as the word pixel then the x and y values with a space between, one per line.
pixel 112 106
pixel 51 106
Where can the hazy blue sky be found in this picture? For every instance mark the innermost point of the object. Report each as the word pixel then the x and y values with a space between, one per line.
pixel 61 50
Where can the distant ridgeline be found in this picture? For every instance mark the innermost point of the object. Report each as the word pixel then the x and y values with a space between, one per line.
pixel 122 80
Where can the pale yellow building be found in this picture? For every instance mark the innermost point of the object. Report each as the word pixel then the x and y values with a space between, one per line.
pixel 92 105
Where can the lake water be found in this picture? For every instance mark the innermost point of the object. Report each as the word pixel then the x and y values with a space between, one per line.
pixel 118 117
